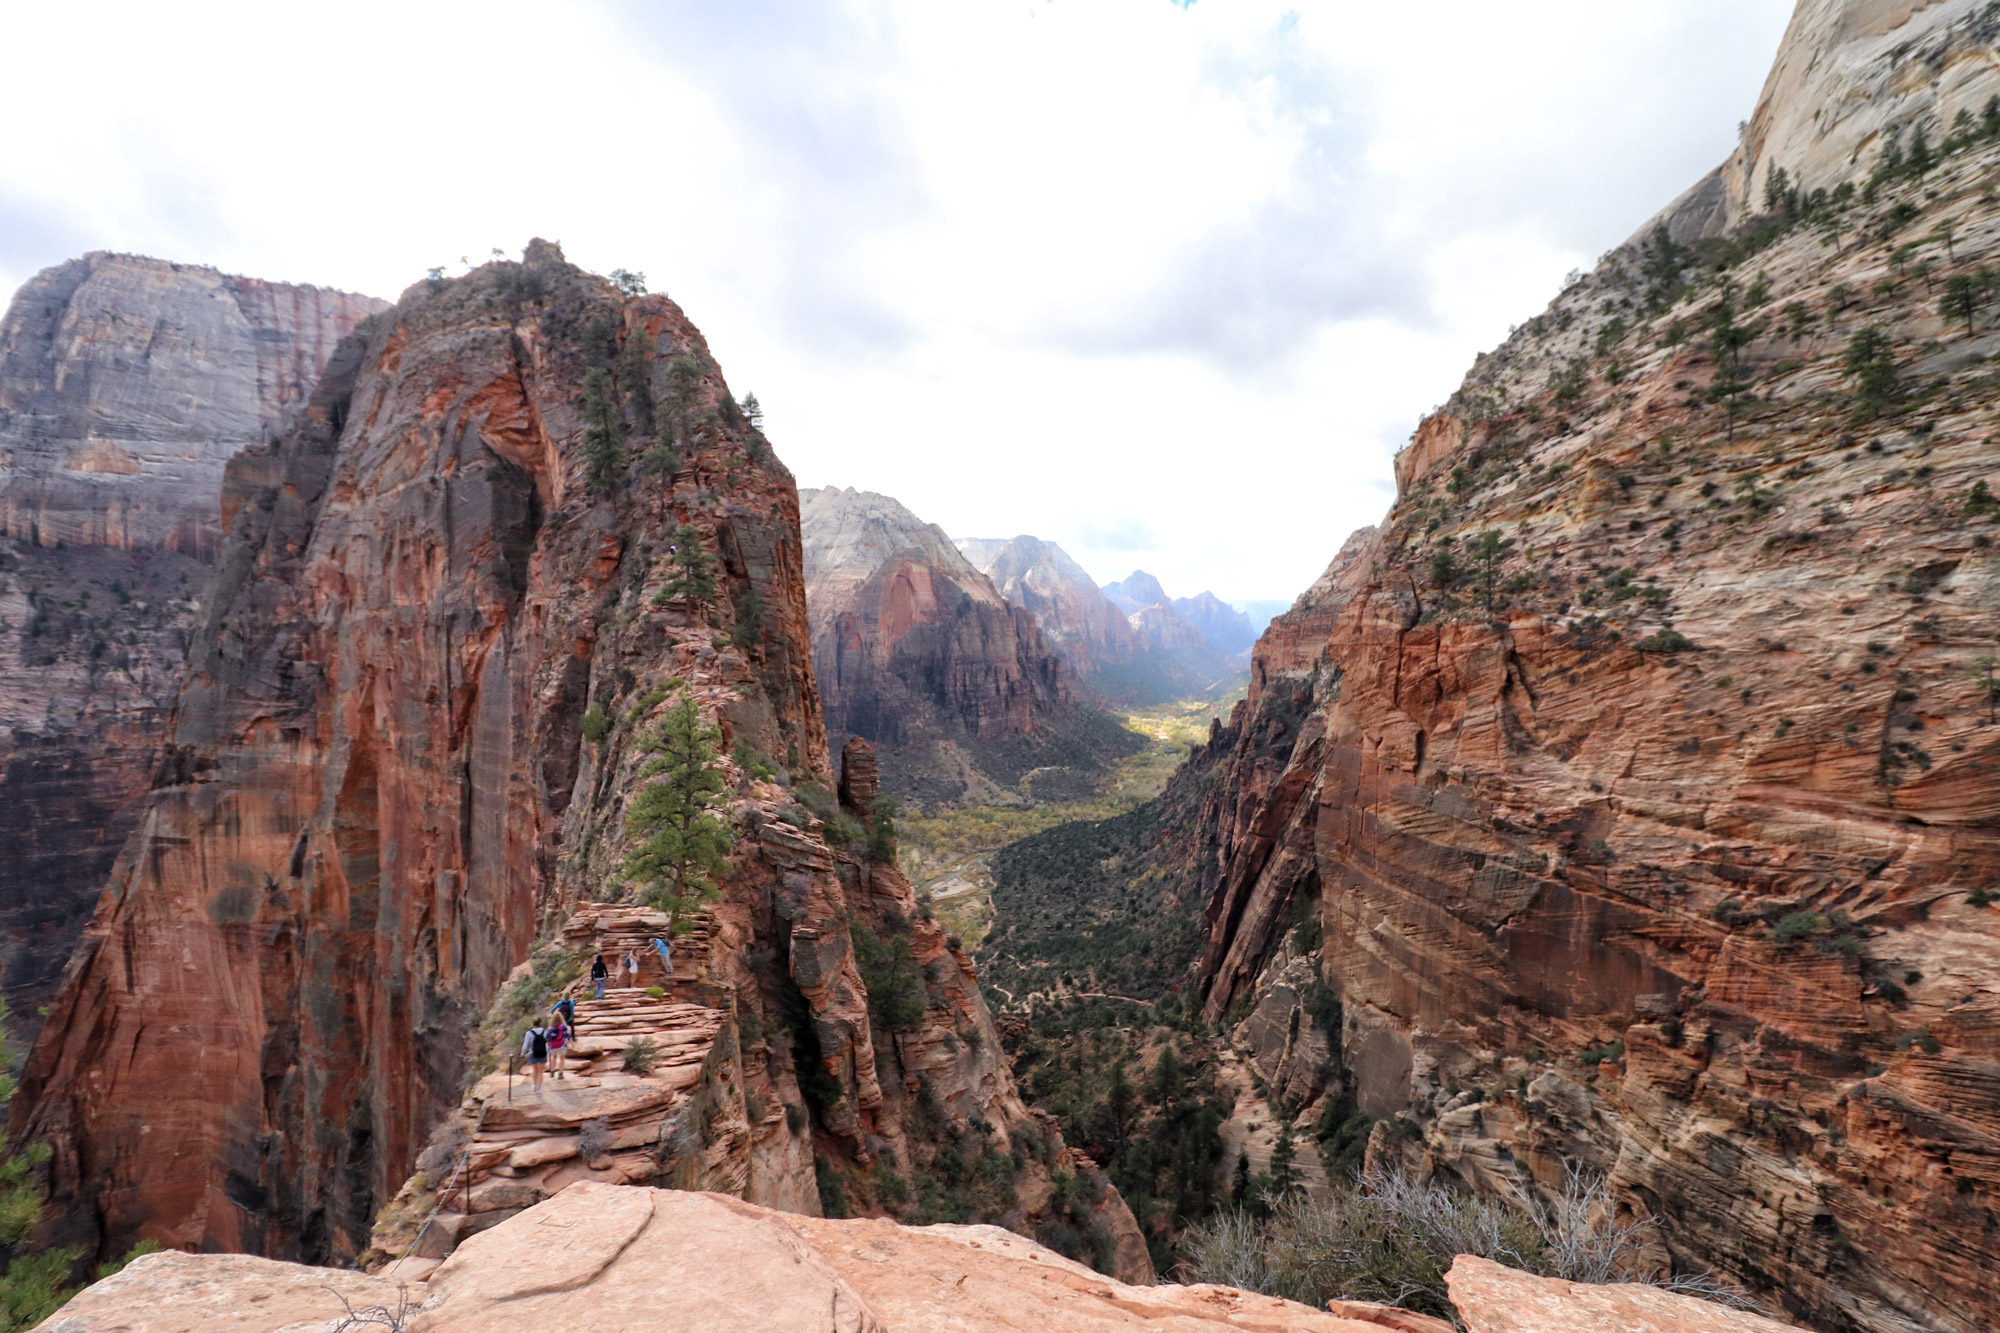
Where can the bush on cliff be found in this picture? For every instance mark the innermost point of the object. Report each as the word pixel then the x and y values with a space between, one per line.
pixel 1392 1237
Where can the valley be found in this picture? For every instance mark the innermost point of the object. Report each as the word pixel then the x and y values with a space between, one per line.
pixel 462 790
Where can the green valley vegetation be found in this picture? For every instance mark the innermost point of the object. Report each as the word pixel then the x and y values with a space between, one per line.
pixel 684 839
pixel 36 1281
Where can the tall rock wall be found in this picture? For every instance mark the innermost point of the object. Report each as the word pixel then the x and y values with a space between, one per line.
pixel 1113 659
pixel 126 384
pixel 433 659
pixel 1641 772
pixel 916 651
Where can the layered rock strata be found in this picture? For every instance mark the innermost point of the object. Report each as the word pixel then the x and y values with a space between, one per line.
pixel 126 384
pixel 1639 771
pixel 456 606
pixel 917 652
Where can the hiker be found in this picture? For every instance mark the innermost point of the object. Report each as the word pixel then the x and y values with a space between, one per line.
pixel 599 973
pixel 535 1046
pixel 631 968
pixel 666 952
pixel 559 1033
pixel 567 1008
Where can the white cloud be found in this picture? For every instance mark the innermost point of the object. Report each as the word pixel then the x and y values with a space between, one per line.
pixel 1167 285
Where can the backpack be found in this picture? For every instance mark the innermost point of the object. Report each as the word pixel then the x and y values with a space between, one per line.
pixel 558 1035
pixel 540 1050
pixel 567 1008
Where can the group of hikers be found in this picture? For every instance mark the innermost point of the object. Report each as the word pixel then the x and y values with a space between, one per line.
pixel 546 1045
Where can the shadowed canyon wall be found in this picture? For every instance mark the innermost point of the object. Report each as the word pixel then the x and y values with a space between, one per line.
pixel 126 384
pixel 1639 771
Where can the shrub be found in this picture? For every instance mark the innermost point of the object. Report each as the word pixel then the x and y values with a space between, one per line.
pixel 1611 1052
pixel 593 1139
pixel 1391 1239
pixel 1665 641
pixel 657 992
pixel 642 1052
pixel 1796 926
pixel 596 726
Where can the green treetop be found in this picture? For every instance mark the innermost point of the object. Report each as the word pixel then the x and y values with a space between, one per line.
pixel 683 839
pixel 603 438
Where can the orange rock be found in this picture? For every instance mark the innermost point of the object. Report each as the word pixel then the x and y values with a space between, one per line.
pixel 1492 1298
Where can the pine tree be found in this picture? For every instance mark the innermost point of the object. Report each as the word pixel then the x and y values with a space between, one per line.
pixel 693 576
pixel 684 375
pixel 1989 119
pixel 1491 549
pixel 1239 1189
pixel 603 439
pixel 1986 670
pixel 1726 340
pixel 1960 299
pixel 1168 1076
pixel 635 376
pixel 1872 366
pixel 684 840
pixel 1119 1101
pixel 1284 1171
pixel 753 411
pixel 1921 159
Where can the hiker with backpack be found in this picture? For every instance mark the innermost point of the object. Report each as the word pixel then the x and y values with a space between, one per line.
pixel 566 1008
pixel 535 1046
pixel 631 969
pixel 666 952
pixel 599 974
pixel 559 1035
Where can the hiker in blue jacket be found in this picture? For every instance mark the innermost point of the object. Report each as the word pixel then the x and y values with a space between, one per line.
pixel 666 952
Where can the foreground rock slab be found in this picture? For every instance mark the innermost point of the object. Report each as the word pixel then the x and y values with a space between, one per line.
pixel 1493 1298
pixel 612 1258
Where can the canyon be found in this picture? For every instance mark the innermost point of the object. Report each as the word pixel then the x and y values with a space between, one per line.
pixel 126 385
pixel 1633 784
pixel 458 605
pixel 917 652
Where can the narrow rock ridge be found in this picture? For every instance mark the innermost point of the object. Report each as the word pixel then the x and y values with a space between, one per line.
pixel 1657 831
pixel 126 384
pixel 449 615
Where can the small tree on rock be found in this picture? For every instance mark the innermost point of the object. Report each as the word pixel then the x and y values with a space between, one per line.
pixel 683 840
pixel 693 569
pixel 603 438
pixel 1872 367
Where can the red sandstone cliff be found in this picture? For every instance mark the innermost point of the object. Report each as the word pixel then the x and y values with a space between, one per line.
pixel 125 385
pixel 916 651
pixel 1661 835
pixel 401 757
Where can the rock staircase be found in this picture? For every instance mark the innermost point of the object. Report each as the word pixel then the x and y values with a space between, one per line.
pixel 601 1121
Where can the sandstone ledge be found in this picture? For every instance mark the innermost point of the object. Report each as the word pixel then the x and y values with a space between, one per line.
pixel 613 1258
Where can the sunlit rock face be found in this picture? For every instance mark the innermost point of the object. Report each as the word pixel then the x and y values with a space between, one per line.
pixel 1657 830
pixel 126 384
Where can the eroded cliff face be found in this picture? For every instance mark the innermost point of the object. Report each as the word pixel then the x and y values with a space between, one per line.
pixel 916 651
pixel 1639 772
pixel 434 649
pixel 125 385
pixel 1112 661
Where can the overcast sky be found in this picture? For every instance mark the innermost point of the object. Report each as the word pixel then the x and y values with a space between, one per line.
pixel 1165 282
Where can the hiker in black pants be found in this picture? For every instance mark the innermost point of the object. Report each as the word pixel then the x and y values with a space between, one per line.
pixel 599 973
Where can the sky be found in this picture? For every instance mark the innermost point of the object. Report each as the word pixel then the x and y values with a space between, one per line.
pixel 1166 282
